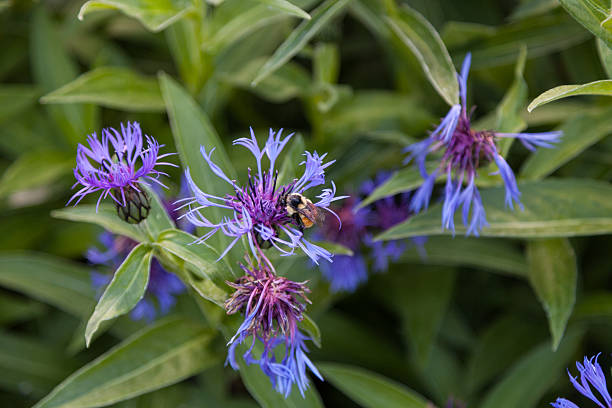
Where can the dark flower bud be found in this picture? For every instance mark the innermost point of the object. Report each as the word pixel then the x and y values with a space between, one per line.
pixel 133 206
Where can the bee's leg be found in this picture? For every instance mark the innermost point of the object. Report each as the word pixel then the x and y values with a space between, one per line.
pixel 299 222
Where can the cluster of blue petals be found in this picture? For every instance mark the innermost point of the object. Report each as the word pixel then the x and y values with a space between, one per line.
pixel 464 150
pixel 592 379
pixel 347 272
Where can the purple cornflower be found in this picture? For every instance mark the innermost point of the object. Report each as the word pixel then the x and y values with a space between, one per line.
pixel 272 306
pixel 258 210
pixel 119 172
pixel 163 286
pixel 348 272
pixel 464 151
pixel 591 375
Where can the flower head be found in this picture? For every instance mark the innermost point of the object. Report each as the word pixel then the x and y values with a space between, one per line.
pixel 272 306
pixel 258 210
pixel 591 375
pixel 464 151
pixel 162 289
pixel 115 165
pixel 349 271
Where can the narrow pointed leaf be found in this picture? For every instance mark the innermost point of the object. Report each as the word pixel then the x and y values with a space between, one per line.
pixel 112 87
pixel 300 36
pixel 286 7
pixel 55 281
pixel 591 14
pixel 158 356
pixel 425 42
pixel 371 390
pixel 552 273
pixel 602 87
pixel 406 179
pixel 154 15
pixel 124 291
pixel 533 375
pixel 106 217
pixel 553 208
pixel 579 133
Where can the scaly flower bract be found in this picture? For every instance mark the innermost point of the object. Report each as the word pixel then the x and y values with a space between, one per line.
pixel 115 165
pixel 464 151
pixel 258 210
pixel 591 375
pixel 272 305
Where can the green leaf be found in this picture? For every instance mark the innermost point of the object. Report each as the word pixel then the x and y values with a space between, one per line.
pixel 35 169
pixel 605 55
pixel 112 87
pixel 406 179
pixel 287 82
pixel 591 14
pixel 184 40
pixel 579 133
pixel 51 280
pixel 542 35
pixel 552 273
pixel 15 99
pixel 425 42
pixel 427 289
pixel 155 15
pixel 158 220
pixel 602 87
pixel 124 291
pixel 106 217
pixel 300 37
pixel 192 129
pixel 207 273
pixel 53 68
pixel 553 208
pixel 494 255
pixel 312 329
pixel 158 356
pixel 200 256
pixel 530 8
pixel 286 7
pixel 508 113
pixel 15 309
pixel 263 392
pixel 532 376
pixel 371 390
pixel 29 366
pixel 507 339
pixel 235 19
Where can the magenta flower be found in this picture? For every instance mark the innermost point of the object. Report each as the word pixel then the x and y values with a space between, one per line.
pixel 464 150
pixel 258 210
pixel 272 306
pixel 115 166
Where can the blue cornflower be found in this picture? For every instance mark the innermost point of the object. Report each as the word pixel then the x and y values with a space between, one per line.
pixel 258 210
pixel 464 151
pixel 591 375
pixel 120 163
pixel 272 305
pixel 349 271
pixel 162 289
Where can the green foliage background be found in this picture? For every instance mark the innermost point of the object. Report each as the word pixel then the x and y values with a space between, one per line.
pixel 491 322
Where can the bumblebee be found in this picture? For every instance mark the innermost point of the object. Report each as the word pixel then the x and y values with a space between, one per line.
pixel 303 211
